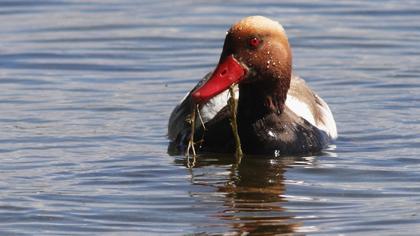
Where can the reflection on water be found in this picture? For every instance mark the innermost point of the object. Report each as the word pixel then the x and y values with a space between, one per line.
pixel 252 191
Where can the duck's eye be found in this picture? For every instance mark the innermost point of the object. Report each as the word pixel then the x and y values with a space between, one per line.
pixel 254 42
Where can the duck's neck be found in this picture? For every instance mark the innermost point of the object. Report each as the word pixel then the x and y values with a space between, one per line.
pixel 261 98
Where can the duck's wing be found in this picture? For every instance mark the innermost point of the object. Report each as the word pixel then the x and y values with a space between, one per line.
pixel 304 102
pixel 177 124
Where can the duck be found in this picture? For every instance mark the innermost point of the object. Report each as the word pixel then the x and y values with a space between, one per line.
pixel 277 112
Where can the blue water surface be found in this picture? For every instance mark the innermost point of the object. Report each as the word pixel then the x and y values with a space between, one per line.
pixel 86 89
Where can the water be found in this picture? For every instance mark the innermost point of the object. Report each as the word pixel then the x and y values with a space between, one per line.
pixel 86 89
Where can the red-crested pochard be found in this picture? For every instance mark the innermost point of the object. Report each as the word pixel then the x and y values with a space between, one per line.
pixel 277 112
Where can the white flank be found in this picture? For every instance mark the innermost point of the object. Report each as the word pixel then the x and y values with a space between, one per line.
pixel 214 105
pixel 300 109
pixel 326 122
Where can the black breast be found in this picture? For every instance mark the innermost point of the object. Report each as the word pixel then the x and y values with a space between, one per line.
pixel 284 134
pixel 274 134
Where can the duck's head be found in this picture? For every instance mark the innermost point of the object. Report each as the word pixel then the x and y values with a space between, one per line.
pixel 256 49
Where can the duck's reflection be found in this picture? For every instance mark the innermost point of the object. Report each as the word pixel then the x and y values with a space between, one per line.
pixel 253 192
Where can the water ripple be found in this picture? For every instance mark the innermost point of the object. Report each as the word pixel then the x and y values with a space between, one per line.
pixel 87 88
